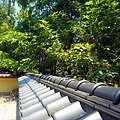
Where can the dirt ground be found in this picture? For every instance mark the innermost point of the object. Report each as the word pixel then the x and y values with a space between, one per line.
pixel 8 108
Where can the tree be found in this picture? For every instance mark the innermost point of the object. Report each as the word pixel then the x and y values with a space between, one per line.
pixel 53 36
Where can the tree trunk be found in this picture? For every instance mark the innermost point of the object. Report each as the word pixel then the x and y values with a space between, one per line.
pixel 39 64
pixel 69 71
pixel 119 79
pixel 9 7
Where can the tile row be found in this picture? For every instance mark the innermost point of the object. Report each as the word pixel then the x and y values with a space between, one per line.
pixel 100 96
pixel 39 102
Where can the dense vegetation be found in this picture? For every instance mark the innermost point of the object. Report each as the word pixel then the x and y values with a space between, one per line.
pixel 62 37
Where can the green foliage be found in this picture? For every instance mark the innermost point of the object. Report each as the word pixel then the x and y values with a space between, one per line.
pixel 101 21
pixel 54 37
